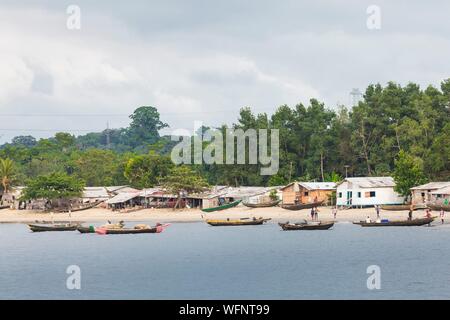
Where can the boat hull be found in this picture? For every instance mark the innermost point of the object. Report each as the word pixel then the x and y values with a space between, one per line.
pixel 438 207
pixel 302 226
pixel 90 229
pixel 132 231
pixel 400 207
pixel 223 207
pixel 301 206
pixel 261 205
pixel 401 223
pixel 224 223
pixel 38 228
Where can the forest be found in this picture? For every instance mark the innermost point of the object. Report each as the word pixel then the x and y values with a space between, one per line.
pixel 392 125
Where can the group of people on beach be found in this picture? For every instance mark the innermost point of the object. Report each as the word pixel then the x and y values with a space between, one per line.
pixel 315 213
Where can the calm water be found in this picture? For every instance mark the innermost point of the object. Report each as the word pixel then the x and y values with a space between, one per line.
pixel 194 260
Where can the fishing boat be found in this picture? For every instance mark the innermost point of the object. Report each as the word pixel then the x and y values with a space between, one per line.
pixel 140 228
pixel 81 208
pixel 397 223
pixel 132 231
pixel 237 222
pixel 54 227
pixel 437 207
pixel 306 226
pixel 301 206
pixel 261 205
pixel 91 228
pixel 223 207
pixel 83 229
pixel 401 207
pixel 58 222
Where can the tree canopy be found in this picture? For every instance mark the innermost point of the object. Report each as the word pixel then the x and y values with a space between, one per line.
pixel 53 186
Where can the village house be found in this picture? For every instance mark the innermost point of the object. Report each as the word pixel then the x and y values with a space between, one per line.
pixel 367 191
pixel 308 192
pixel 429 192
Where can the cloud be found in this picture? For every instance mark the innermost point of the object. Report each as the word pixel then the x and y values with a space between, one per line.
pixel 203 61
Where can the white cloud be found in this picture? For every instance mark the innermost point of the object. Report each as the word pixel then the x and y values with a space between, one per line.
pixel 202 63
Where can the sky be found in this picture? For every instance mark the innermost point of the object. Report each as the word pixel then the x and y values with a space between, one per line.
pixel 203 60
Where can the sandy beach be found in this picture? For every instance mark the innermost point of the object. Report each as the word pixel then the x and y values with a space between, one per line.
pixel 277 214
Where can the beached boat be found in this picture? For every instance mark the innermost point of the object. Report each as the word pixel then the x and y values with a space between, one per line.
pixel 301 206
pixel 223 207
pixel 81 208
pixel 436 207
pixel 306 226
pixel 397 223
pixel 54 227
pixel 237 222
pixel 401 207
pixel 261 205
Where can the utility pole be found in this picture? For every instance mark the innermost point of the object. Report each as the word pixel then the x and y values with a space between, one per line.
pixel 346 167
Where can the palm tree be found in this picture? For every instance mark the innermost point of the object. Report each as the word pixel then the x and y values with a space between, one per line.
pixel 6 173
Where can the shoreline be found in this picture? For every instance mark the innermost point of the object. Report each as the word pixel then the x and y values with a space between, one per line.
pixel 277 214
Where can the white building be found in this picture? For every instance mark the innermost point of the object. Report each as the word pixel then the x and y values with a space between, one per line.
pixel 367 191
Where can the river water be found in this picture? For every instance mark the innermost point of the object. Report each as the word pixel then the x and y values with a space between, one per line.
pixel 197 261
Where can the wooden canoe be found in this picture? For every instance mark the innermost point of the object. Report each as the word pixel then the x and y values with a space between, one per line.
pixel 397 223
pixel 306 226
pixel 237 222
pixel 85 207
pixel 302 205
pixel 223 207
pixel 82 229
pixel 132 231
pixel 261 205
pixel 436 207
pixel 397 207
pixel 55 227
pixel 91 229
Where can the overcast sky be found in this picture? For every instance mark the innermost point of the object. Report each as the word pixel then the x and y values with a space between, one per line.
pixel 204 60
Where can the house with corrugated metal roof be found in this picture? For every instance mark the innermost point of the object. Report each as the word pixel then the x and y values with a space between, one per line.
pixel 367 191
pixel 430 192
pixel 307 192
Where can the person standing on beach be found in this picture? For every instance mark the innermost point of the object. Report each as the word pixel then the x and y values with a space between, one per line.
pixel 442 215
pixel 316 214
pixel 312 213
pixel 334 212
pixel 410 214
pixel 377 209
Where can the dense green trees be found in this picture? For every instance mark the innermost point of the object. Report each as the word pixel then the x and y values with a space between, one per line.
pixel 183 179
pixel 316 143
pixel 144 171
pixel 408 173
pixel 55 186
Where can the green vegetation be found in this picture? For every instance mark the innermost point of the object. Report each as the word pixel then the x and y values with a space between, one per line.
pixel 6 173
pixel 408 173
pixel 183 179
pixel 55 186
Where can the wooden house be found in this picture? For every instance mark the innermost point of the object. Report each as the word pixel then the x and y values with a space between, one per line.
pixel 428 193
pixel 307 192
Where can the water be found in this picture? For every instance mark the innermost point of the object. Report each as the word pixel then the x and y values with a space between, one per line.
pixel 196 261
